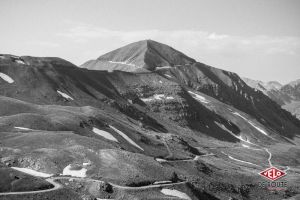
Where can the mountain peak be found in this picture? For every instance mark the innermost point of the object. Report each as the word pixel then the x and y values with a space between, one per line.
pixel 142 55
pixel 263 86
pixel 274 85
pixel 294 83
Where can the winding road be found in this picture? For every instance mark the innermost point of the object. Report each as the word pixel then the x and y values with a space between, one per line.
pixel 270 156
pixel 184 160
pixel 50 180
pixel 57 185
pixel 287 168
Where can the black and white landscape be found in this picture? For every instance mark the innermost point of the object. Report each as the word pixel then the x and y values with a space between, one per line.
pixel 143 121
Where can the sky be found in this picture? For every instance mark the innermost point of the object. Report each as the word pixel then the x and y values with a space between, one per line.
pixel 258 39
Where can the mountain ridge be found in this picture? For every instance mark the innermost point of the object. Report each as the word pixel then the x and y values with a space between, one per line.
pixel 141 55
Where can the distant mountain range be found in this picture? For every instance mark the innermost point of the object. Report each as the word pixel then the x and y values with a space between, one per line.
pixel 287 96
pixel 144 121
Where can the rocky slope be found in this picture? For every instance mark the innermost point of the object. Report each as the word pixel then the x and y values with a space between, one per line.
pixel 140 56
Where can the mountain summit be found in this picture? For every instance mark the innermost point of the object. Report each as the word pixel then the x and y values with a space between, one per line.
pixel 140 56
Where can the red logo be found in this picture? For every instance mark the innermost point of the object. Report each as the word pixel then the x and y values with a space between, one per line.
pixel 272 173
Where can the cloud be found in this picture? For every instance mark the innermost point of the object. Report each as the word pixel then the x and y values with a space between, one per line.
pixel 43 44
pixel 190 40
pixel 214 36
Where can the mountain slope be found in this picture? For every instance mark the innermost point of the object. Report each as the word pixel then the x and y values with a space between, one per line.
pixel 287 96
pixel 139 56
pixel 292 89
pixel 229 88
pixel 225 86
pixel 54 82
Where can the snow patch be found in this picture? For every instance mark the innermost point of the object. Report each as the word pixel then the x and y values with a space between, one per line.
pixel 126 137
pixel 23 128
pixel 160 160
pixel 103 199
pixel 20 62
pixel 167 75
pixel 32 172
pixel 199 97
pixel 77 173
pixel 246 146
pixel 251 123
pixel 158 97
pixel 86 164
pixel 244 140
pixel 170 98
pixel 235 86
pixel 175 193
pixel 229 131
pixel 165 67
pixel 105 134
pixel 238 114
pixel 147 99
pixel 64 95
pixel 6 78
pixel 161 182
pixel 122 63
pixel 257 128
pixel 289 139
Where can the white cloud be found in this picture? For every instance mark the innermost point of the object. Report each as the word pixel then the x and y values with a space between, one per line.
pixel 214 36
pixel 190 40
pixel 43 44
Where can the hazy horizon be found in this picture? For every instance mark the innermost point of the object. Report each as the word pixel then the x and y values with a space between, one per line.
pixel 258 39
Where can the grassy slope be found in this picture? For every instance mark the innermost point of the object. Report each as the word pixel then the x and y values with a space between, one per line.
pixel 15 181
